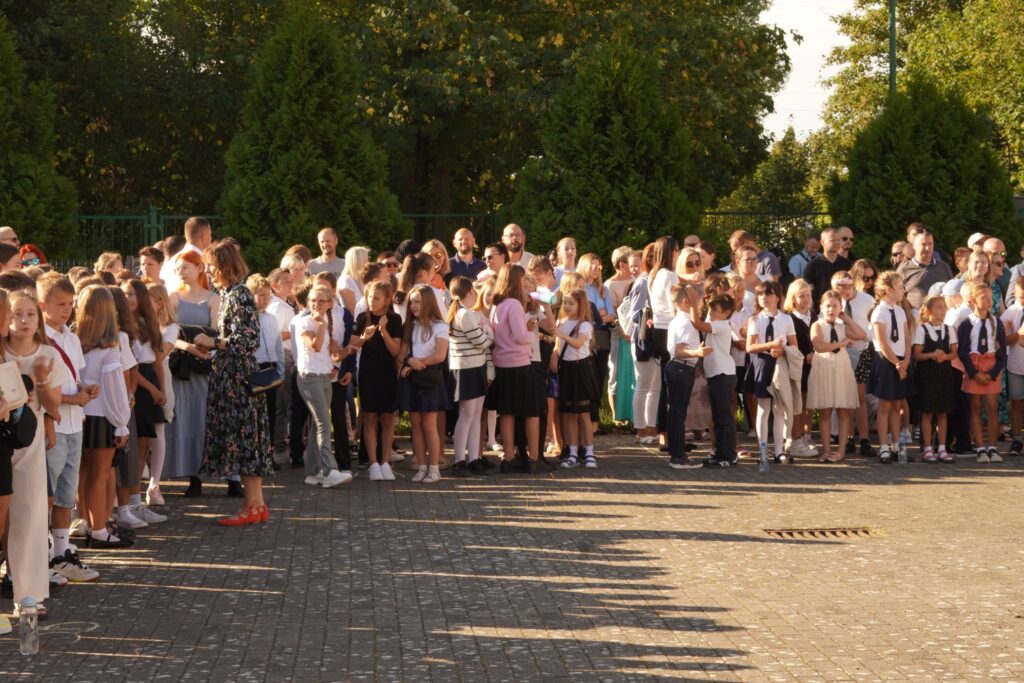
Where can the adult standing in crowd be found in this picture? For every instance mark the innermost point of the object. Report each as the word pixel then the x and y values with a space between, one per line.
pixel 924 270
pixel 465 262
pixel 495 256
pixel 1014 273
pixel 9 236
pixel 198 236
pixel 800 260
pixel 767 263
pixel 237 428
pixel 819 272
pixel 514 239
pixel 846 244
pixel 996 250
pixel 663 309
pixel 328 261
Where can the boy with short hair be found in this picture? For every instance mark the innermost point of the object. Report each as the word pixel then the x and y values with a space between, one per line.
pixel 56 297
pixel 720 372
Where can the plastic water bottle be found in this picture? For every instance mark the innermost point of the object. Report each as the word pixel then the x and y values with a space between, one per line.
pixel 901 448
pixel 762 462
pixel 28 627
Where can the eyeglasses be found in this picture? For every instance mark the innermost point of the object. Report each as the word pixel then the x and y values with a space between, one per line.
pixel 870 278
pixel 750 259
pixel 847 239
pixel 30 262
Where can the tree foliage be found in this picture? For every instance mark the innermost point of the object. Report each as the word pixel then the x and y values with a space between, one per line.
pixel 302 158
pixel 616 164
pixel 33 196
pixel 925 157
pixel 779 185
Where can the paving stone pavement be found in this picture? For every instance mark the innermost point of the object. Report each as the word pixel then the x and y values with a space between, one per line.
pixel 629 572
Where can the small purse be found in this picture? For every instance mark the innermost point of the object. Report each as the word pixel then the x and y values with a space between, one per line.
pixel 429 377
pixel 263 381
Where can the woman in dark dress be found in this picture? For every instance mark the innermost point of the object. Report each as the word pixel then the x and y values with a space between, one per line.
pixel 237 429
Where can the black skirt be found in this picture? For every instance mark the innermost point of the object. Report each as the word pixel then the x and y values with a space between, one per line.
pixel 415 399
pixel 97 432
pixel 760 371
pixel 147 413
pixel 935 387
pixel 470 383
pixel 578 386
pixel 885 383
pixel 514 392
pixel 378 387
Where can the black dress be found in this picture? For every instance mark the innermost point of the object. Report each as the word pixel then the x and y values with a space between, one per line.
pixel 378 376
pixel 803 342
pixel 935 380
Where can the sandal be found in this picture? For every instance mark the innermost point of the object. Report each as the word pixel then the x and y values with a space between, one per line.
pixel 929 455
pixel 243 517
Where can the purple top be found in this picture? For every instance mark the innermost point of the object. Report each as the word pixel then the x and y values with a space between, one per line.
pixel 513 343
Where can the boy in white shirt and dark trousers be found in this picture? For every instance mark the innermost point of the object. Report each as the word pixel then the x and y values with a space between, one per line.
pixel 720 371
pixel 685 350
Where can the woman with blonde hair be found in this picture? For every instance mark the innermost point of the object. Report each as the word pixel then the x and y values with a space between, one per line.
pixel 442 266
pixel 350 286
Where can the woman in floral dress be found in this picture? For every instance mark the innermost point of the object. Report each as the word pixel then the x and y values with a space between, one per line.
pixel 237 430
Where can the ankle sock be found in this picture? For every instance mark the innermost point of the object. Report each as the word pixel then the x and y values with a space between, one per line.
pixel 134 499
pixel 573 451
pixel 589 451
pixel 60 541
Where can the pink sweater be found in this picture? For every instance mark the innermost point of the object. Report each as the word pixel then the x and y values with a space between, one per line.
pixel 513 343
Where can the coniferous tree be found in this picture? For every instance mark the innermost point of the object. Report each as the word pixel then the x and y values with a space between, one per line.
pixel 925 157
pixel 34 198
pixel 302 157
pixel 617 164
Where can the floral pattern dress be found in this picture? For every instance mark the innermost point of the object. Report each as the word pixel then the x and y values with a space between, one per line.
pixel 237 429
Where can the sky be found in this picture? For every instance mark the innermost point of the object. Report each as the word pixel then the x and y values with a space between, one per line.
pixel 802 97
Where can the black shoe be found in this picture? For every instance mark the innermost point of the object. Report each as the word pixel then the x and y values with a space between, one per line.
pixel 124 533
pixel 866 451
pixel 460 469
pixel 716 462
pixel 545 465
pixel 235 489
pixel 195 487
pixel 689 447
pixel 514 466
pixel 478 466
pixel 111 544
pixel 783 459
pixel 7 586
pixel 486 462
pixel 683 463
pixel 298 464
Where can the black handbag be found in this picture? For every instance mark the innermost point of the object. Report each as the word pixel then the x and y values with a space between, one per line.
pixel 183 363
pixel 264 380
pixel 429 377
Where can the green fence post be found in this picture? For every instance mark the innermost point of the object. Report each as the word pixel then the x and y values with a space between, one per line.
pixel 152 227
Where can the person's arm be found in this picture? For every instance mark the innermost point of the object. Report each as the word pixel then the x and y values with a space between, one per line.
pixel 963 340
pixel 393 344
pixel 1013 333
pixel 920 355
pixel 853 330
pixel 753 346
pixel 114 396
pixel 515 322
pixel 818 341
pixel 314 338
pixel 48 378
pixel 214 309
pixel 477 334
pixel 684 351
pixel 582 337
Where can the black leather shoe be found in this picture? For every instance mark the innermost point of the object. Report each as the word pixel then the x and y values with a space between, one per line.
pixel 235 489
pixel 545 465
pixel 195 487
pixel 478 467
pixel 514 466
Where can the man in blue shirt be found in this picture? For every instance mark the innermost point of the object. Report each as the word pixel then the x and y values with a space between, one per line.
pixel 464 262
pixel 812 244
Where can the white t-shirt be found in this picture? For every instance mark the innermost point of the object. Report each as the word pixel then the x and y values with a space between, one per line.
pixel 736 322
pixel 585 331
pixel 782 327
pixel 662 307
pixel 143 352
pixel 284 313
pixel 424 348
pixel 57 373
pixel 347 282
pixel 883 316
pixel 682 331
pixel 1014 317
pixel 719 340
pixel 308 361
pixel 128 360
pixel 860 306
pixel 70 416
pixel 170 334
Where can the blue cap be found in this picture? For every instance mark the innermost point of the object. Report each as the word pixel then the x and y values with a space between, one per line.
pixel 952 288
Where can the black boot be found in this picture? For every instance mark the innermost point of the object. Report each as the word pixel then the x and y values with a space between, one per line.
pixel 195 487
pixel 235 489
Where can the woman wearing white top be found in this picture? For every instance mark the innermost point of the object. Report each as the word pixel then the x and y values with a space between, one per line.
pixel 663 309
pixel 350 288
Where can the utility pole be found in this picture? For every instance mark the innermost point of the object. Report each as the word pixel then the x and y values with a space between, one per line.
pixel 892 47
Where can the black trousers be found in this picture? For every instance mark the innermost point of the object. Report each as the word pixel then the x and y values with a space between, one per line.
pixel 721 389
pixel 297 422
pixel 339 399
pixel 271 406
pixel 677 389
pixel 659 344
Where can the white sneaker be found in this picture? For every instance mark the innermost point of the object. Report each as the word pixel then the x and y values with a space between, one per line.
pixel 336 478
pixel 397 456
pixel 71 567
pixel 810 444
pixel 315 479
pixel 147 515
pixel 154 497
pixel 375 472
pixel 433 475
pixel 79 528
pixel 127 518
pixel 420 475
pixel 497 447
pixel 57 579
pixel 386 473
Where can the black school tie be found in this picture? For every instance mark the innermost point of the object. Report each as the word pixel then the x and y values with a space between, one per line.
pixel 833 335
pixel 769 332
pixel 848 309
pixel 983 337
pixel 894 333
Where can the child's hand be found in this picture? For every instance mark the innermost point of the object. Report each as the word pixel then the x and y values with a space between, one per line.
pixel 531 324
pixel 346 379
pixel 372 330
pixel 703 351
pixel 982 378
pixel 158 397
pixel 41 369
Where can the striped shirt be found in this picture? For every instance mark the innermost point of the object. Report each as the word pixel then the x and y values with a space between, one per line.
pixel 471 339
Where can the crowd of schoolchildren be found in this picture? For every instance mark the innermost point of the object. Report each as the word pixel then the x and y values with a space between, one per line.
pixel 510 353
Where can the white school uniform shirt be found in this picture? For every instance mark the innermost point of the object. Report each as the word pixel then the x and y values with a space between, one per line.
pixel 782 327
pixel 308 361
pixel 424 348
pixel 586 331
pixel 682 331
pixel 103 368
pixel 1014 352
pixel 882 315
pixel 861 305
pixel 71 417
pixel 284 313
pixel 934 332
pixel 736 322
pixel 992 322
pixel 719 340
pixel 955 316
pixel 128 360
pixel 143 352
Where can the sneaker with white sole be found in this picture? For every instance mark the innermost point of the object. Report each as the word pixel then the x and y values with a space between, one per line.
pixel 386 473
pixel 590 462
pixel 982 456
pixel 148 515
pixel 56 578
pixel 421 474
pixel 154 497
pixel 71 567
pixel 336 478
pixel 127 518
pixel 397 456
pixel 433 475
pixel 993 455
pixel 314 479
pixel 375 472
pixel 79 528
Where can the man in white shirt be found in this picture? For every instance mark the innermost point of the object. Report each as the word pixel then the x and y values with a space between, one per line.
pixel 514 239
pixel 328 261
pixel 198 236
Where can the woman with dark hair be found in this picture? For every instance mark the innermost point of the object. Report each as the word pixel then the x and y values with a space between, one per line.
pixel 237 429
pixel 662 279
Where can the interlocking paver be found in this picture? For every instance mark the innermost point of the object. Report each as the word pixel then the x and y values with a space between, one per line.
pixel 630 572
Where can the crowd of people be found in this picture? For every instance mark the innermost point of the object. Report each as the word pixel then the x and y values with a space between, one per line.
pixel 187 365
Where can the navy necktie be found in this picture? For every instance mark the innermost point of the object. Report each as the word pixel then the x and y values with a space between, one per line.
pixel 769 332
pixel 833 335
pixel 983 337
pixel 894 333
pixel 848 309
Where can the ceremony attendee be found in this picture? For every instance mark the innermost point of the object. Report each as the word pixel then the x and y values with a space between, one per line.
pixel 797 264
pixel 514 239
pixel 923 270
pixel 819 272
pixel 465 262
pixel 198 236
pixel 328 260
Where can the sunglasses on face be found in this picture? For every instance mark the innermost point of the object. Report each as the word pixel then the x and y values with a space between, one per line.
pixel 488 257
pixel 870 278
pixel 693 264
pixel 30 262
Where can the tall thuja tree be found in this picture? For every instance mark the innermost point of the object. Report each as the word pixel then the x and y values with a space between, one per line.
pixel 34 199
pixel 925 157
pixel 616 159
pixel 302 157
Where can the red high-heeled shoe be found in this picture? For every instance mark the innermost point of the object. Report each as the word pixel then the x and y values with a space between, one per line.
pixel 264 512
pixel 241 518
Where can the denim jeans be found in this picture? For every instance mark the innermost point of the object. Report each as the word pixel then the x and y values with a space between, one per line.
pixel 678 387
pixel 721 389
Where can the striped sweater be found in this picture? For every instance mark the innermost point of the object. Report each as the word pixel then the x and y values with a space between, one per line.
pixel 470 340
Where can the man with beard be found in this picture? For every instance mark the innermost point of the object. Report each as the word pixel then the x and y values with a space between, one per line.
pixel 514 240
pixel 328 261
pixel 464 262
pixel 830 261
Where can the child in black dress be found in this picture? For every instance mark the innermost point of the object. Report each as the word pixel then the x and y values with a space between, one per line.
pixel 934 347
